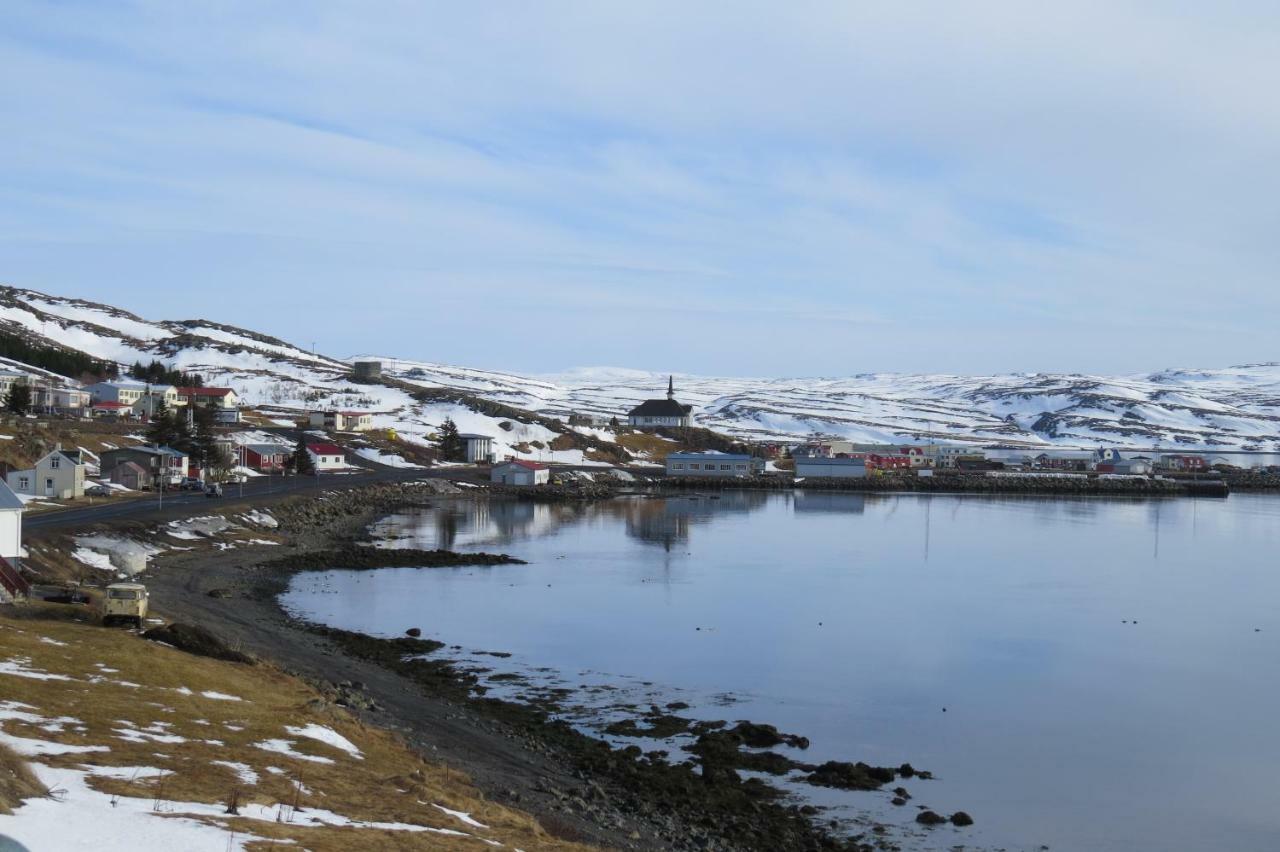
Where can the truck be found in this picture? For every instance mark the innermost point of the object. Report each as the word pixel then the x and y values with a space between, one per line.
pixel 125 603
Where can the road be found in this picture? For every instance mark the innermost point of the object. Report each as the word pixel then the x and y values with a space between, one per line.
pixel 262 490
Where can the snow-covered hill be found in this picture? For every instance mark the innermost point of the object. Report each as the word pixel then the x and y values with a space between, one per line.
pixel 1233 408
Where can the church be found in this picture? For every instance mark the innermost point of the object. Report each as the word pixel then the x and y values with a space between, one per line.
pixel 661 412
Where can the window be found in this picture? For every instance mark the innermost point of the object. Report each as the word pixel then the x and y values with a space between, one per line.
pixel 123 594
pixel 53 462
pixel 742 467
pixel 694 466
pixel 677 466
pixel 24 483
pixel 726 467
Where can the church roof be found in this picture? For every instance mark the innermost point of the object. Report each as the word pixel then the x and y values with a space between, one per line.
pixel 660 408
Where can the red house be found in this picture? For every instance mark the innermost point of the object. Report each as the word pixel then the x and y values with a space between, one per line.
pixel 264 457
pixel 1189 464
pixel 880 462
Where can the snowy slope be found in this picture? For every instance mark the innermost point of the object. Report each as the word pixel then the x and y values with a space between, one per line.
pixel 1237 407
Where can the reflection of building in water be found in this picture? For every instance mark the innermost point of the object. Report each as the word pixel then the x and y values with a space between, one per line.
pixel 466 524
pixel 828 501
pixel 668 520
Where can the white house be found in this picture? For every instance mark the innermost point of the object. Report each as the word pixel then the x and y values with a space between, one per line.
pixel 824 468
pixel 9 378
pixel 129 392
pixel 12 584
pixel 479 447
pixel 341 421
pixel 520 472
pixel 69 400
pixel 662 412
pixel 60 475
pixel 326 456
pixel 713 464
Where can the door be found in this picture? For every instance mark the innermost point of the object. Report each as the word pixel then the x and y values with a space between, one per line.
pixel 48 487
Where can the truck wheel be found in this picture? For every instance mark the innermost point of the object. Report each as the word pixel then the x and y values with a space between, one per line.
pixel 107 621
pixel 137 622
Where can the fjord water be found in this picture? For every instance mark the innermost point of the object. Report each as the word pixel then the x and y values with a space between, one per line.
pixel 1108 668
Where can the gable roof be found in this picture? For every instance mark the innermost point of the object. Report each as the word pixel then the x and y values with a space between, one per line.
pixel 660 408
pixel 528 465
pixel 325 449
pixel 9 500
pixel 268 449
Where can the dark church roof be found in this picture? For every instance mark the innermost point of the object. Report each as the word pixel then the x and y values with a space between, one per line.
pixel 660 408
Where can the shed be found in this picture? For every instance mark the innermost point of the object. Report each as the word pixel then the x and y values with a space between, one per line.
pixel 519 472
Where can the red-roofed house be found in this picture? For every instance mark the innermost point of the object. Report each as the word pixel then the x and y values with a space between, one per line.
pixel 327 456
pixel 217 397
pixel 518 472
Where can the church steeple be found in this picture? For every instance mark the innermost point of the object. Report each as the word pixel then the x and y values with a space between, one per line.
pixel 671 387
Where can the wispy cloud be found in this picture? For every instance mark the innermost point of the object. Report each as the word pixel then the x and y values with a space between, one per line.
pixel 845 186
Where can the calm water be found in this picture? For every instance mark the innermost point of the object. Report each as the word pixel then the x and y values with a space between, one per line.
pixel 855 620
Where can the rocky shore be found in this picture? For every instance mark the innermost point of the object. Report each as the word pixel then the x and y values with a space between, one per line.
pixel 520 753
pixel 959 483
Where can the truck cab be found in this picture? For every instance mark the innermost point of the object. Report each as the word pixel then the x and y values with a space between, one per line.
pixel 124 603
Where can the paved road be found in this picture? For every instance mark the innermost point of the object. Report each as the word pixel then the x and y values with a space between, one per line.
pixel 261 490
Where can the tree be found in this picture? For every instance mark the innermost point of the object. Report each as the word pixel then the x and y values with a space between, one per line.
pixel 204 441
pixel 451 446
pixel 302 463
pixel 19 401
pixel 169 428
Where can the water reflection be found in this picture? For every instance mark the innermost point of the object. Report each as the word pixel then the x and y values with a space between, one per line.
pixel 1103 662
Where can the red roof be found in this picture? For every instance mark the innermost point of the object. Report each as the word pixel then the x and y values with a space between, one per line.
pixel 325 449
pixel 353 413
pixel 528 464
pixel 112 405
pixel 203 391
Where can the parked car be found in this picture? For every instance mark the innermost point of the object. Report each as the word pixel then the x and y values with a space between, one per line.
pixel 125 602
pixel 214 490
pixel 99 491
pixel 191 483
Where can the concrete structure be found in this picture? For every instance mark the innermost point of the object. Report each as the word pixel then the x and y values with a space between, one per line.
pixel 479 447
pixel 59 475
pixel 662 412
pixel 520 473
pixel 366 371
pixel 326 456
pixel 165 465
pixel 824 468
pixel 341 421
pixel 264 457
pixel 713 464
pixel 13 586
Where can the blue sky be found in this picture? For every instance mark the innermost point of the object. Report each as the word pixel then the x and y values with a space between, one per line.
pixel 733 188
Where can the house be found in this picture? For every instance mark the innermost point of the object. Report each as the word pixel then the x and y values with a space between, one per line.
pixel 892 461
pixel 9 379
pixel 661 412
pixel 264 457
pixel 1184 464
pixel 60 475
pixel 479 447
pixel 129 392
pixel 111 410
pixel 165 465
pixel 948 455
pixel 131 475
pixel 326 456
pixel 13 586
pixel 341 421
pixel 713 464
pixel 519 472
pixel 917 456
pixel 212 397
pixel 63 400
pixel 842 467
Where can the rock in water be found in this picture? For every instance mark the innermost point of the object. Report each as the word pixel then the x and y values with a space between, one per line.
pixel 961 818
pixel 930 818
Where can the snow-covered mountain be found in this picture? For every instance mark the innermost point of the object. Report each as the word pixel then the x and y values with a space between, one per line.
pixel 1232 408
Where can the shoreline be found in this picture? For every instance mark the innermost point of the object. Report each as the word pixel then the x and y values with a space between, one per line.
pixel 579 786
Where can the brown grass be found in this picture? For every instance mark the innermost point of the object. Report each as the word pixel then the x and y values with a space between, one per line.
pixel 645 442
pixel 16 781
pixel 390 784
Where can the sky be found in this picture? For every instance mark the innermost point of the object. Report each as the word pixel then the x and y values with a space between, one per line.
pixel 733 188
